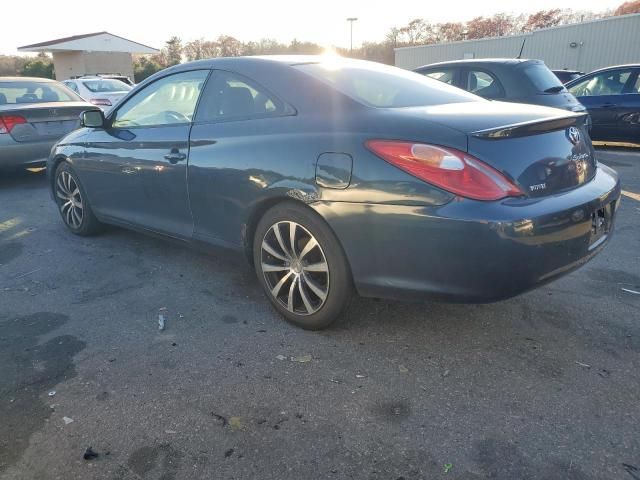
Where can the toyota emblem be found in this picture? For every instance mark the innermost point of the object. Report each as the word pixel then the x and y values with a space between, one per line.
pixel 574 135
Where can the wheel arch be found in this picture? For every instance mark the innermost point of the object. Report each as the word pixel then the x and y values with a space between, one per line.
pixel 258 211
pixel 52 167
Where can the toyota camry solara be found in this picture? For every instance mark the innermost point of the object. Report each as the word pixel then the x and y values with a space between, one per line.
pixel 339 176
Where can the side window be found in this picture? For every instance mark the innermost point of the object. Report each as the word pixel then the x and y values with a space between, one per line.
pixel 229 95
pixel 484 84
pixel 72 86
pixel 445 76
pixel 635 88
pixel 604 83
pixel 168 101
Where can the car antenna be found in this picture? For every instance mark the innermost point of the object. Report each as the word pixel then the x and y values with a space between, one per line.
pixel 524 40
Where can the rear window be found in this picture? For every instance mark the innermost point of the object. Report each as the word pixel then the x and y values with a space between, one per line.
pixel 106 85
pixel 378 85
pixel 35 92
pixel 543 79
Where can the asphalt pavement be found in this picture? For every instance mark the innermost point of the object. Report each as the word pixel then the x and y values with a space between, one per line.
pixel 542 386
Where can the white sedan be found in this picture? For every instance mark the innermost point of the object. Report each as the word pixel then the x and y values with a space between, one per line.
pixel 102 92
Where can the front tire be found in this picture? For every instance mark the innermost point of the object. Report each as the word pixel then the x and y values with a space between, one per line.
pixel 301 266
pixel 73 203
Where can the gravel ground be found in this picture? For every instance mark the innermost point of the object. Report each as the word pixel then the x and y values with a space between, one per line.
pixel 543 386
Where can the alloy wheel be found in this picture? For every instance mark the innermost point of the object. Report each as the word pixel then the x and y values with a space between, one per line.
pixel 295 268
pixel 71 205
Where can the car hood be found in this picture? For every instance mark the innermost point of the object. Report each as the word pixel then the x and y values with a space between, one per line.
pixel 470 117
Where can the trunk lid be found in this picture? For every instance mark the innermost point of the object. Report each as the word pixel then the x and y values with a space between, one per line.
pixel 45 121
pixel 113 97
pixel 543 150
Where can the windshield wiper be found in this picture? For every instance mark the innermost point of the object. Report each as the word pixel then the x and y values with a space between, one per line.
pixel 556 89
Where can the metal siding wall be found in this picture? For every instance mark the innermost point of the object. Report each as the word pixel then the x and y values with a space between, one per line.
pixel 612 41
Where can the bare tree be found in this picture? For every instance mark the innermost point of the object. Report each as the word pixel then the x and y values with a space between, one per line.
pixel 495 26
pixel 199 49
pixel 450 32
pixel 543 19
pixel 628 7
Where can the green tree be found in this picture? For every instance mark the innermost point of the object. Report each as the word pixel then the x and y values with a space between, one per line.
pixel 38 67
pixel 144 67
pixel 173 51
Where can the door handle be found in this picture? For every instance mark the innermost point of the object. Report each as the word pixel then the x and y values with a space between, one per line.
pixel 175 157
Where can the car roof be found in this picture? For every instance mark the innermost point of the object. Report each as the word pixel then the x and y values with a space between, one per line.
pixel 26 79
pixel 289 60
pixel 482 61
pixel 616 67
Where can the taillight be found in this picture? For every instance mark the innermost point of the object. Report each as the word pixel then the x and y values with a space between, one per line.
pixel 101 101
pixel 7 122
pixel 447 168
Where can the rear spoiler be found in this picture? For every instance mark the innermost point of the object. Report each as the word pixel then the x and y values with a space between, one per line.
pixel 533 127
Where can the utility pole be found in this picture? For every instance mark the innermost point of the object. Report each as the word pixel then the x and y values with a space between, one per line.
pixel 351 20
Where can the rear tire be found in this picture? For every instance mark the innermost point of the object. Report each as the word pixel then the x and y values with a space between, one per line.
pixel 73 204
pixel 301 266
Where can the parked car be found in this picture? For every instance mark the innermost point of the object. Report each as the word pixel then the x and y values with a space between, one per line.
pixel 100 91
pixel 508 80
pixel 117 76
pixel 332 174
pixel 612 96
pixel 34 114
pixel 565 76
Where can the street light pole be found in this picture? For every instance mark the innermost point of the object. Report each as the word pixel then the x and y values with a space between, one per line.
pixel 351 20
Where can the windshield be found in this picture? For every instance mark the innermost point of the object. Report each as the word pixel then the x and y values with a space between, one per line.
pixel 106 85
pixel 35 92
pixel 378 85
pixel 543 79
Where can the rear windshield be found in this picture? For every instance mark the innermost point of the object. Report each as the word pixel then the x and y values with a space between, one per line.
pixel 543 79
pixel 35 92
pixel 106 85
pixel 378 85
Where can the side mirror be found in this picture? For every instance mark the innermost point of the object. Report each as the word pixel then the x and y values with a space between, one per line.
pixel 92 119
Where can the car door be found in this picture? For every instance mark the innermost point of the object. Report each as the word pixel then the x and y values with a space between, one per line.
pixel 135 169
pixel 629 111
pixel 602 93
pixel 237 144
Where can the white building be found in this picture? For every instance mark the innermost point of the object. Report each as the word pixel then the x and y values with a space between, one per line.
pixel 91 54
pixel 582 46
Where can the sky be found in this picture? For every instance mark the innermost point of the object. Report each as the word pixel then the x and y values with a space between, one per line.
pixel 323 22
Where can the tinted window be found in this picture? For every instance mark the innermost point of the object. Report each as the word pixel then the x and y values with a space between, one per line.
pixel 604 83
pixel 35 92
pixel 445 76
pixel 168 101
pixel 484 84
pixel 378 85
pixel 636 87
pixel 106 85
pixel 566 76
pixel 229 95
pixel 542 78
pixel 72 86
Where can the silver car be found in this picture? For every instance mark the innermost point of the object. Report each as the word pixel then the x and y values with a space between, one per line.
pixel 34 114
pixel 99 91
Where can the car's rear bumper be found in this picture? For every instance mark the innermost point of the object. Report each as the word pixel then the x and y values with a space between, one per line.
pixel 29 154
pixel 471 251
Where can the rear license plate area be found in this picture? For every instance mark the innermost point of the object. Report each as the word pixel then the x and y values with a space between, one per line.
pixel 601 224
pixel 51 128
